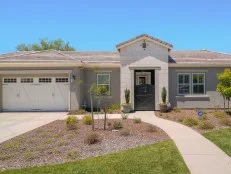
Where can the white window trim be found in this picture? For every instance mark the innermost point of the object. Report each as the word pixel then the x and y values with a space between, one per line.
pixel 191 84
pixel 109 83
pixel 198 83
pixel 178 93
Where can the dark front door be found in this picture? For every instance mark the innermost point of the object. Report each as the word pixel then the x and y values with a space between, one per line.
pixel 144 90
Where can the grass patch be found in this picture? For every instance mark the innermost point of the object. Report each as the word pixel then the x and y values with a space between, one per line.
pixel 219 114
pixel 11 145
pixel 221 138
pixel 87 119
pixel 205 125
pixel 29 155
pixel 6 157
pixel 72 154
pixel 225 122
pixel 161 157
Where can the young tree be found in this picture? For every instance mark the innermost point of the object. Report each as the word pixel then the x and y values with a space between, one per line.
pixel 44 44
pixel 224 86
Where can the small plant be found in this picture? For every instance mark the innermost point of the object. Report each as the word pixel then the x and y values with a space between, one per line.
pixel 124 116
pixel 77 112
pixel 219 114
pixel 62 143
pixel 205 125
pixel 42 147
pixel 225 122
pixel 151 128
pixel 6 157
pixel 189 121
pixel 56 136
pixel 137 120
pixel 11 145
pixel 72 154
pixel 71 122
pixel 204 117
pixel 175 109
pixel 54 151
pixel 29 155
pixel 87 119
pixel 127 95
pixel 114 108
pixel 117 125
pixel 125 132
pixel 91 138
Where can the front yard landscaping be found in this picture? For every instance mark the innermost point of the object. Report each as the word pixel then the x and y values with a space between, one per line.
pixel 162 157
pixel 222 138
pixel 210 120
pixel 63 141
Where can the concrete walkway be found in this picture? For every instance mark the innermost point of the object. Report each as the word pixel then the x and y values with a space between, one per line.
pixel 15 123
pixel 200 155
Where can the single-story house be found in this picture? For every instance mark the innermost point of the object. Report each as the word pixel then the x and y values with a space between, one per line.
pixel 60 80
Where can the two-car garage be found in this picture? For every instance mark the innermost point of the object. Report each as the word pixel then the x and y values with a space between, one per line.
pixel 36 93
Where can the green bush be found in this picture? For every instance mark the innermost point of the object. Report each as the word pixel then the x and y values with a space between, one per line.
pixel 189 121
pixel 91 138
pixel 219 114
pixel 137 120
pixel 87 119
pixel 204 117
pixel 205 125
pixel 117 125
pixel 71 122
pixel 29 155
pixel 77 112
pixel 72 154
pixel 115 107
pixel 151 128
pixel 225 122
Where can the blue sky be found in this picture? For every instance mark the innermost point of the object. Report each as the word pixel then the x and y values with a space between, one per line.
pixel 101 24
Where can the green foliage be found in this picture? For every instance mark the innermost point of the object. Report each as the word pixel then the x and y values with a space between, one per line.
pixel 6 157
pixel 137 120
pixel 225 121
pixel 44 44
pixel 117 125
pixel 91 138
pixel 98 90
pixel 127 95
pixel 204 117
pixel 189 121
pixel 71 122
pixel 29 155
pixel 87 119
pixel 77 112
pixel 219 114
pixel 205 125
pixel 164 94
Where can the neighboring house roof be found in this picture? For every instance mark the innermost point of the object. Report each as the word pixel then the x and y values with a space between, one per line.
pixel 143 36
pixel 176 58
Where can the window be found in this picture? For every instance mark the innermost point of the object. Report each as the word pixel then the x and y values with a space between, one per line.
pixel 44 80
pixel 183 83
pixel 10 80
pixel 198 83
pixel 191 83
pixel 61 80
pixel 104 80
pixel 26 80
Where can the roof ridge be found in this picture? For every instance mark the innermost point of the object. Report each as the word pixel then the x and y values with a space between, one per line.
pixel 215 52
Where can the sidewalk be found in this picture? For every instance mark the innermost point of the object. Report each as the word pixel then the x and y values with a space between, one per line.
pixel 200 155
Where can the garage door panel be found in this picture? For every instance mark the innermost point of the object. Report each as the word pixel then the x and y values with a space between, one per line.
pixel 61 96
pixel 29 96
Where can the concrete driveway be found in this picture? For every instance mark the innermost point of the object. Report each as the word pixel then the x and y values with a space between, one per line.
pixel 15 123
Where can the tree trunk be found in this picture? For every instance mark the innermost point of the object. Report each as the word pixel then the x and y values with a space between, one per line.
pixel 92 115
pixel 105 117
pixel 224 102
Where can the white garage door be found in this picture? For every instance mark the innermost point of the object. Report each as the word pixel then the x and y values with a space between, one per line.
pixel 35 94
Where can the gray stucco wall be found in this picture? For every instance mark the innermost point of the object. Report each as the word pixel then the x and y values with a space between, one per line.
pixel 209 100
pixel 90 77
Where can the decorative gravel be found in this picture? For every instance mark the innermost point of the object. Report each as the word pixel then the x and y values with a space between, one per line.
pixel 53 143
pixel 180 114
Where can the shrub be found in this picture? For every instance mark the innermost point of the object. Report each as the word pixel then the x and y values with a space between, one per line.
pixel 62 143
pixel 29 155
pixel 151 128
pixel 117 125
pixel 72 154
pixel 225 122
pixel 125 132
pixel 163 94
pixel 189 121
pixel 205 125
pixel 175 109
pixel 137 120
pixel 71 122
pixel 127 95
pixel 204 117
pixel 77 112
pixel 54 151
pixel 87 119
pixel 115 107
pixel 6 157
pixel 219 114
pixel 91 138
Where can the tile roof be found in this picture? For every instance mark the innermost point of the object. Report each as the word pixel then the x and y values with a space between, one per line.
pixel 145 35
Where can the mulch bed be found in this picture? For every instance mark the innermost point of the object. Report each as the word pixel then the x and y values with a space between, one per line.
pixel 180 114
pixel 54 143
